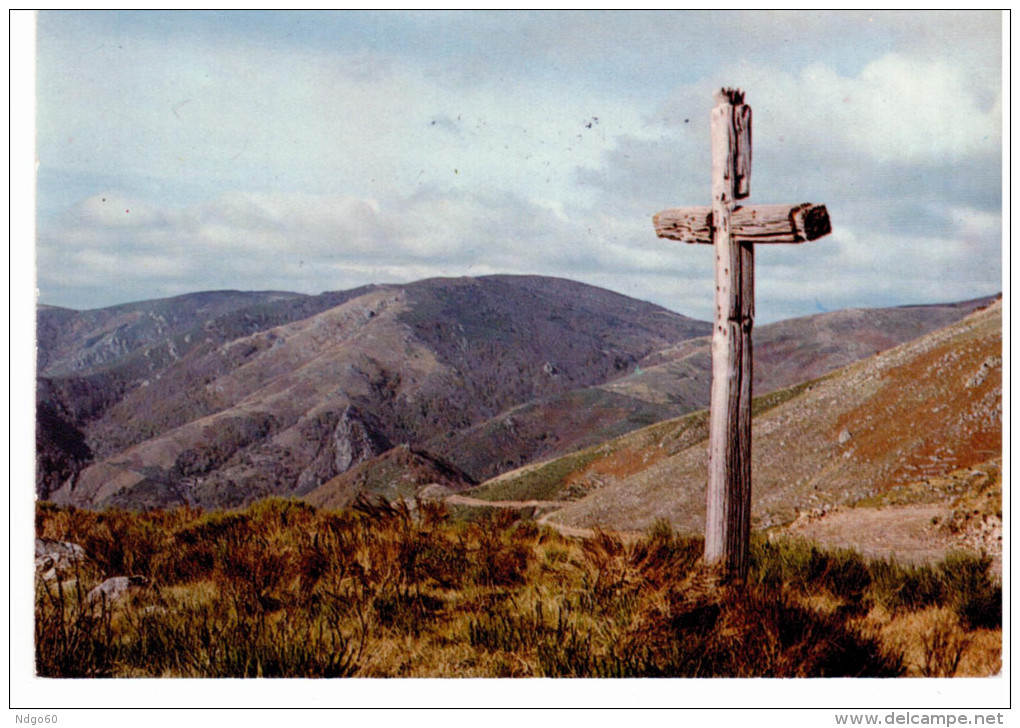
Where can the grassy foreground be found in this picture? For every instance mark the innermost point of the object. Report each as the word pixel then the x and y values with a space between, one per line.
pixel 378 590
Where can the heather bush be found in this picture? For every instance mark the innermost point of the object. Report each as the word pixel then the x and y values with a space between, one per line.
pixel 283 589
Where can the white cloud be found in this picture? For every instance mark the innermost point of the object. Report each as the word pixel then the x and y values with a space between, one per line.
pixel 910 110
pixel 316 122
pixel 900 109
pixel 333 168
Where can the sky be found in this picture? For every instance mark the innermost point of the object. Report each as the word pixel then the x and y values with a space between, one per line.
pixel 313 151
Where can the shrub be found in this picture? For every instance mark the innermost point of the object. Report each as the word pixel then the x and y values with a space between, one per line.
pixel 72 640
pixel 775 563
pixel 504 630
pixel 904 586
pixel 969 587
pixel 496 564
pixel 661 557
pixel 282 589
pixel 843 573
pixel 405 612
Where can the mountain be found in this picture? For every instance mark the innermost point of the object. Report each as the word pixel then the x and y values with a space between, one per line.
pixel 916 423
pixel 244 407
pixel 221 398
pixel 791 351
pixel 87 341
pixel 676 380
pixel 87 361
pixel 549 426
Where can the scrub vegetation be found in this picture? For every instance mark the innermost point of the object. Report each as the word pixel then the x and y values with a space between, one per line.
pixel 284 589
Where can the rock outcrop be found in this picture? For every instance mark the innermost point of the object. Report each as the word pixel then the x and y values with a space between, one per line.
pixel 57 559
pixel 115 590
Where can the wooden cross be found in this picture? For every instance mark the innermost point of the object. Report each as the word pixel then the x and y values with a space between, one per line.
pixel 733 231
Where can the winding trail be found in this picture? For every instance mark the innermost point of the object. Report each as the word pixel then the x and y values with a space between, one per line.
pixel 543 520
pixel 463 500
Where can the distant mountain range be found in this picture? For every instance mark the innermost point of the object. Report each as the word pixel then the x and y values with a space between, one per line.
pixel 220 398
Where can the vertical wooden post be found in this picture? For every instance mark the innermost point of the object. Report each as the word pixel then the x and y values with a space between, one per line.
pixel 728 525
pixel 733 231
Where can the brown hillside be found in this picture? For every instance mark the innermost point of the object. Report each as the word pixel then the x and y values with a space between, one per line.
pixel 220 399
pixel 282 409
pixel 789 352
pixel 675 381
pixel 925 408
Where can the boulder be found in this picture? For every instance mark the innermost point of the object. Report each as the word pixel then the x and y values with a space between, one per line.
pixel 55 559
pixel 115 589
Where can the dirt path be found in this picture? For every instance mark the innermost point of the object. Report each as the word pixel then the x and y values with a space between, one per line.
pixel 543 520
pixel 906 532
pixel 463 500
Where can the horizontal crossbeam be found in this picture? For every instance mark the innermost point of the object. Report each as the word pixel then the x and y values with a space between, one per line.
pixel 753 223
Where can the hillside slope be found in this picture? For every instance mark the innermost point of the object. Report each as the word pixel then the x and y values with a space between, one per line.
pixel 676 381
pixel 789 352
pixel 221 398
pixel 286 408
pixel 925 409
pixel 88 361
pixel 81 342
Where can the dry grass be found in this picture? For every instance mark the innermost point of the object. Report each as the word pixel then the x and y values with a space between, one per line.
pixel 403 590
pixel 935 644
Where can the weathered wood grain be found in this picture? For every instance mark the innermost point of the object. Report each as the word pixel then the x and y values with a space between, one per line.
pixel 753 223
pixel 727 529
pixel 742 153
pixel 734 231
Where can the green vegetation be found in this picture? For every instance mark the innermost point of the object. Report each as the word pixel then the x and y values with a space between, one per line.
pixel 540 482
pixel 768 401
pixel 552 480
pixel 961 581
pixel 388 590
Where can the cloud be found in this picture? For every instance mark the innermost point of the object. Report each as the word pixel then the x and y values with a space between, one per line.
pixel 905 155
pixel 313 243
pixel 255 161
pixel 285 118
pixel 899 109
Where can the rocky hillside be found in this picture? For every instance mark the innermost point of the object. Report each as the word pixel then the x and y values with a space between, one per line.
pixel 894 423
pixel 676 380
pixel 235 414
pixel 791 351
pixel 222 398
pixel 88 361
pixel 84 342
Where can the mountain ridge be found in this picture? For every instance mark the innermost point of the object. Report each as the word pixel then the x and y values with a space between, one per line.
pixel 282 394
pixel 409 361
